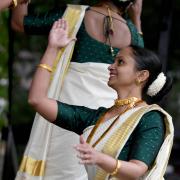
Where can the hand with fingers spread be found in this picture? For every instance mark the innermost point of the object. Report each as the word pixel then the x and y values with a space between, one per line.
pixel 87 154
pixel 58 36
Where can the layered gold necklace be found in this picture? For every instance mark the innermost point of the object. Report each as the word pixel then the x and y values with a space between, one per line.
pixel 129 102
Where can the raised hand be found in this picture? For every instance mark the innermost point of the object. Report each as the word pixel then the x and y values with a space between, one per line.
pixel 87 154
pixel 58 36
pixel 134 11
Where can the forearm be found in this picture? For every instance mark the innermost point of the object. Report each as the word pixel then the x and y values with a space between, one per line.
pixel 42 76
pixel 134 12
pixel 137 23
pixel 38 98
pixel 128 170
pixel 18 15
pixel 4 4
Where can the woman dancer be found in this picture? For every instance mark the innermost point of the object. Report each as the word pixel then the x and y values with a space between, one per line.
pixel 104 30
pixel 129 140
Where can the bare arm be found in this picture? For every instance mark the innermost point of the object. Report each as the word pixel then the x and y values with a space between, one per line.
pixel 134 12
pixel 18 14
pixel 5 4
pixel 129 170
pixel 45 106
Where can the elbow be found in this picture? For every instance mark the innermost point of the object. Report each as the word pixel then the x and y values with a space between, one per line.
pixel 135 176
pixel 34 102
pixel 138 175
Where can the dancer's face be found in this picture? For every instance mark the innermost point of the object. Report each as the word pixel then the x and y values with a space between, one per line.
pixel 123 72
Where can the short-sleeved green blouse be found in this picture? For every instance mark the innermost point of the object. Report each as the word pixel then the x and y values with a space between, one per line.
pixel 87 49
pixel 143 144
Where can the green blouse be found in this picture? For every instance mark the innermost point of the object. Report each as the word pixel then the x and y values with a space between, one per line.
pixel 87 49
pixel 143 144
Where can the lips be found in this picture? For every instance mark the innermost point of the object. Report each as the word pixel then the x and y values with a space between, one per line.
pixel 112 74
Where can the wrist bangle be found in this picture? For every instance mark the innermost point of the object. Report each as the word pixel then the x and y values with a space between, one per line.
pixel 118 165
pixel 140 33
pixel 14 3
pixel 45 66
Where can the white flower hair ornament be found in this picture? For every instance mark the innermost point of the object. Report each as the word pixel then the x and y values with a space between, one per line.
pixel 157 85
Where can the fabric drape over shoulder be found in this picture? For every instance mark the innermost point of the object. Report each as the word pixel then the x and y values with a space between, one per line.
pixel 116 141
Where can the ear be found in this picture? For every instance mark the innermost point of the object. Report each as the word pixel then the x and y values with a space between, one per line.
pixel 143 76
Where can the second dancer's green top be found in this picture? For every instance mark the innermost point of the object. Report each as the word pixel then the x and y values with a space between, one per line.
pixel 87 49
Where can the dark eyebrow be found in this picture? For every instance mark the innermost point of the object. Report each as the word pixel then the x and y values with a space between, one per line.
pixel 119 56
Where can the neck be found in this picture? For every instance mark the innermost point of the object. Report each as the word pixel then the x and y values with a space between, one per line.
pixel 124 93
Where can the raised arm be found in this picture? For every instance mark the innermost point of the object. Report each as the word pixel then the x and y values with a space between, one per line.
pixel 45 106
pixel 4 4
pixel 18 15
pixel 134 12
pixel 36 23
pixel 10 3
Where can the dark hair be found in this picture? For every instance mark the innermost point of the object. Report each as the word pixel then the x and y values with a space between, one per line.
pixel 148 60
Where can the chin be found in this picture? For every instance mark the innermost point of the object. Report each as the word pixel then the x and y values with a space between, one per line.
pixel 110 84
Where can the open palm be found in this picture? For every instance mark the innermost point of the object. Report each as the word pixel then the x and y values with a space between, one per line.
pixel 58 36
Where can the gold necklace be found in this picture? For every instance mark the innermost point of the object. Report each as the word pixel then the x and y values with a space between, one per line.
pixel 128 101
pixel 101 119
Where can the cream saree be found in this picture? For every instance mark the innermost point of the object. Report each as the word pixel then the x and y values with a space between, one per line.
pixel 113 143
pixel 43 158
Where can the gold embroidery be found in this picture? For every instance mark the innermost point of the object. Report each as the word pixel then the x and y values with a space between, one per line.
pixel 131 102
pixel 117 141
pixel 32 166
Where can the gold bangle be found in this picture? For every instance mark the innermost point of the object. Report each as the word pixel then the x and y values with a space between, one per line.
pixel 14 3
pixel 45 66
pixel 140 33
pixel 118 165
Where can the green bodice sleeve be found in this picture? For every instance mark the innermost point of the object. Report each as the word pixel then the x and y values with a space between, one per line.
pixel 143 144
pixel 40 24
pixel 77 118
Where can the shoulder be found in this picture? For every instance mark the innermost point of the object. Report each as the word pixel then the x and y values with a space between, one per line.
pixel 153 114
pixel 152 119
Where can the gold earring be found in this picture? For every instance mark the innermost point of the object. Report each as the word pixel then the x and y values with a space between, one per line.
pixel 138 82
